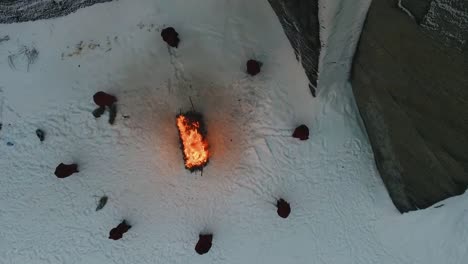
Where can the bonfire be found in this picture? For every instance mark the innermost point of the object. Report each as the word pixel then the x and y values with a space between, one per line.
pixel 193 141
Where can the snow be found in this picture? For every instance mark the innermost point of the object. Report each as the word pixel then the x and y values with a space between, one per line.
pixel 341 212
pixel 439 232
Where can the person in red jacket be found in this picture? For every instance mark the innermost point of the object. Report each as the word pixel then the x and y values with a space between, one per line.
pixel 301 132
pixel 283 208
pixel 170 36
pixel 65 170
pixel 253 67
pixel 103 100
pixel 116 233
pixel 204 243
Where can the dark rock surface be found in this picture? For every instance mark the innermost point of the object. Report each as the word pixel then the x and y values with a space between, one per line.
pixel 299 19
pixel 418 8
pixel 13 11
pixel 411 87
pixel 446 21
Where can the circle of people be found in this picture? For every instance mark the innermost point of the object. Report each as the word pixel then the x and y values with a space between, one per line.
pixel 106 101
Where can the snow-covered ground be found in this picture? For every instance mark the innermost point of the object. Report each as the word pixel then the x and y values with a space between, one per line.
pixel 341 212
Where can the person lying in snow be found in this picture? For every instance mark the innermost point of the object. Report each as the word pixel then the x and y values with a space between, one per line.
pixel 170 36
pixel 204 244
pixel 104 100
pixel 283 208
pixel 64 170
pixel 253 67
pixel 301 132
pixel 117 232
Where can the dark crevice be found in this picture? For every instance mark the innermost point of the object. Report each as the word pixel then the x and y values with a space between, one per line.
pixel 299 19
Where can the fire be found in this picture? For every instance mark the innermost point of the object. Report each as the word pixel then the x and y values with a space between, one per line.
pixel 194 145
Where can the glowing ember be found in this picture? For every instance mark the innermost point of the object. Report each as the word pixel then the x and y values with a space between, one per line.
pixel 194 145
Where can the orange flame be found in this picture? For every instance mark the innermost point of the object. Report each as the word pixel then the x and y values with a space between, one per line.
pixel 195 147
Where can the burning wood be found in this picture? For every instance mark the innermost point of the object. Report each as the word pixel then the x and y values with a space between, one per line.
pixel 192 136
